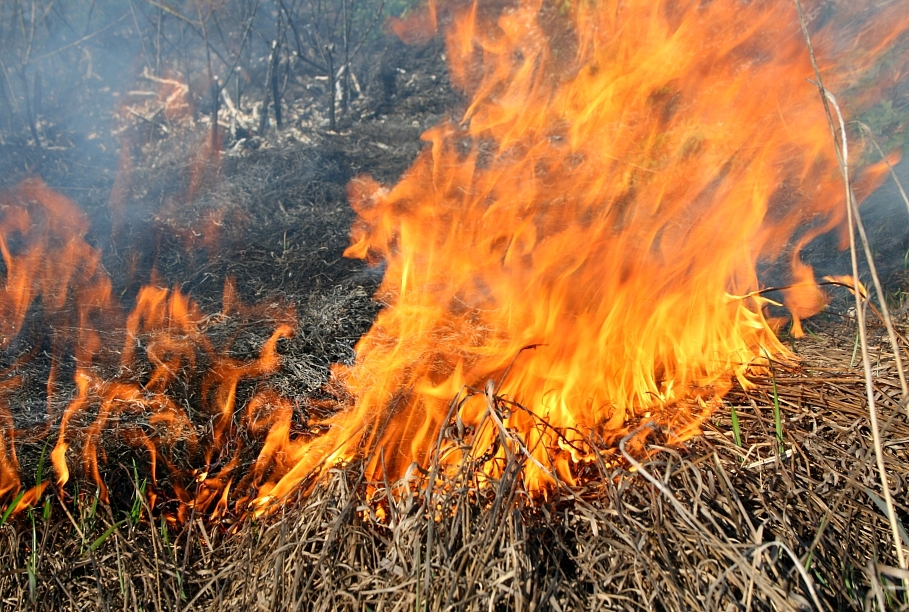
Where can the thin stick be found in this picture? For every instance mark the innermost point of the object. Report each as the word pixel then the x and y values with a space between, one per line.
pixel 866 247
pixel 843 158
pixel 84 39
pixel 866 358
pixel 132 10
pixel 213 85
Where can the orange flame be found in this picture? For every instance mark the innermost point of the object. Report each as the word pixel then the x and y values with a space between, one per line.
pixel 617 178
pixel 54 275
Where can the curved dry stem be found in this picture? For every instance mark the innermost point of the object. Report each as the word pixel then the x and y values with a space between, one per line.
pixel 886 160
pixel 854 221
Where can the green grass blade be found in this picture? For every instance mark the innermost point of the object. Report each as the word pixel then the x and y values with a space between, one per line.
pixel 94 507
pixel 103 538
pixel 777 417
pixel 11 507
pixel 736 430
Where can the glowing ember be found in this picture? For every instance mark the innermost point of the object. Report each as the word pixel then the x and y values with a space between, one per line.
pixel 573 258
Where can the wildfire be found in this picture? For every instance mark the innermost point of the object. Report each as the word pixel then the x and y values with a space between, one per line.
pixel 132 394
pixel 606 198
pixel 576 255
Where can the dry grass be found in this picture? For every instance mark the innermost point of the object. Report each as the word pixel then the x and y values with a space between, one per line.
pixel 770 524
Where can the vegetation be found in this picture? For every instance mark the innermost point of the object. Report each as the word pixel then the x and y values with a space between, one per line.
pixel 782 504
pixel 52 50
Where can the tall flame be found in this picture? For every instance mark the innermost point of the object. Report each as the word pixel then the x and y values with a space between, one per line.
pixel 616 180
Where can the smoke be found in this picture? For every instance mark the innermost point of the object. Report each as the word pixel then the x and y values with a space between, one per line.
pixel 883 213
pixel 65 65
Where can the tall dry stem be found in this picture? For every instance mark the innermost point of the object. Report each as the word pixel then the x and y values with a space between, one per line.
pixel 853 220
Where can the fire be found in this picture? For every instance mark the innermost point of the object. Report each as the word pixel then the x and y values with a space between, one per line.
pixel 54 276
pixel 618 177
pixel 574 257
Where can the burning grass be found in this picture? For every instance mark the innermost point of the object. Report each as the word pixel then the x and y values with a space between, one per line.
pixel 792 514
pixel 596 491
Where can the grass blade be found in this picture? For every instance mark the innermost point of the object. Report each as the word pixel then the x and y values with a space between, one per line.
pixel 883 506
pixel 94 545
pixel 736 429
pixel 12 507
pixel 777 418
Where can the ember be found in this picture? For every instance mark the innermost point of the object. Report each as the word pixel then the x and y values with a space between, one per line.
pixel 573 258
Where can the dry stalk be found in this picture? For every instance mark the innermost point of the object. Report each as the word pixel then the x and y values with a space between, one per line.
pixel 853 221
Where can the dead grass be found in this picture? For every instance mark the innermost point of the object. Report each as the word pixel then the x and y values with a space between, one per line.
pixel 712 525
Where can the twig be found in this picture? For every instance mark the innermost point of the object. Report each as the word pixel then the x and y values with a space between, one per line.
pixel 132 10
pixel 275 92
pixel 213 85
pixel 76 43
pixel 855 221
pixel 263 117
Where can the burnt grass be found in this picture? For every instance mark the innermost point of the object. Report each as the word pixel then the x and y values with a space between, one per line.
pixel 782 524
